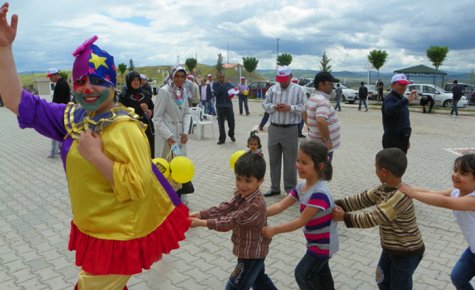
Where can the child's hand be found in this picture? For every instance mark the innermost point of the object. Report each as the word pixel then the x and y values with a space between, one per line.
pixel 338 213
pixel 195 222
pixel 407 190
pixel 267 232
pixel 90 145
pixel 195 214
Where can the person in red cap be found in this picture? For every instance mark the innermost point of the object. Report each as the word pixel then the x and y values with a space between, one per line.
pixel 285 103
pixel 395 111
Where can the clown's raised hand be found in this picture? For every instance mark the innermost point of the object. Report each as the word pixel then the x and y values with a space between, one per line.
pixel 7 30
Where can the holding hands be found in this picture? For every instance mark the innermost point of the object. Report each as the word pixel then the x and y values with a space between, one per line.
pixel 196 221
pixel 338 213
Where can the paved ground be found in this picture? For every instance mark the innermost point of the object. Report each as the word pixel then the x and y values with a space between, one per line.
pixel 35 211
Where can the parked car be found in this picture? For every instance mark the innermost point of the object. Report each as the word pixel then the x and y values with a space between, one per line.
pixel 372 92
pixel 258 89
pixel 440 96
pixel 349 95
pixel 468 91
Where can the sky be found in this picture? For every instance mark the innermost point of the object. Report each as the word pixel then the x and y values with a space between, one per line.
pixel 165 32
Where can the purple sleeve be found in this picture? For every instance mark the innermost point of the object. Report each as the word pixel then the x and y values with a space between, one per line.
pixel 45 117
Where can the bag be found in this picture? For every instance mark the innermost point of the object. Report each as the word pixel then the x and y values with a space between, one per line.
pixel 186 188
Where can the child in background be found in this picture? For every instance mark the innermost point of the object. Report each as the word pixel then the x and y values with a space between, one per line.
pixel 462 201
pixel 254 143
pixel 245 215
pixel 394 213
pixel 316 206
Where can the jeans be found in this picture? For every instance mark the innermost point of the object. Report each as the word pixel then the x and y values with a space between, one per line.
pixel 454 107
pixel 211 109
pixel 313 273
pixel 243 101
pixel 250 273
pixel 464 271
pixel 338 106
pixel 54 148
pixel 395 271
pixel 362 101
pixel 264 120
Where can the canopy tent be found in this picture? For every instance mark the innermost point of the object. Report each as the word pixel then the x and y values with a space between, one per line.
pixel 422 71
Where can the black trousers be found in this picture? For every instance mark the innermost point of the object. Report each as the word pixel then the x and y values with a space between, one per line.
pixel 399 141
pixel 224 114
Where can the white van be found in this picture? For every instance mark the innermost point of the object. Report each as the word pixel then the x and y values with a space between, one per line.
pixel 440 96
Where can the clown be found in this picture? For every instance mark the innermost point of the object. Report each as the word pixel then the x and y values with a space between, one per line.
pixel 126 215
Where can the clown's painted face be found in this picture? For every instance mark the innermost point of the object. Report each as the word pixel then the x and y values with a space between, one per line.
pixel 94 94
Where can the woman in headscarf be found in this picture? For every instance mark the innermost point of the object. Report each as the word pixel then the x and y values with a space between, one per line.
pixel 141 101
pixel 171 116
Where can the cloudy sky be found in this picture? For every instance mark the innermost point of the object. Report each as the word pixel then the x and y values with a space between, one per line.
pixel 162 32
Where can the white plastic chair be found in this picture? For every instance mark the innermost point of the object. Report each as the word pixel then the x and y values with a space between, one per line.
pixel 200 120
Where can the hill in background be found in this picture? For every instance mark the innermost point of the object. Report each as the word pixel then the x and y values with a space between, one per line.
pixel 352 79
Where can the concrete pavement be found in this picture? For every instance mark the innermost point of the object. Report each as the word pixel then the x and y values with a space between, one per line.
pixel 35 211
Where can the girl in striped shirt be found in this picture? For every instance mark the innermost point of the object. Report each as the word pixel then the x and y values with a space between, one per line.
pixel 316 206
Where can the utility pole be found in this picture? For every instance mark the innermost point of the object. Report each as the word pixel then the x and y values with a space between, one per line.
pixel 276 65
pixel 227 50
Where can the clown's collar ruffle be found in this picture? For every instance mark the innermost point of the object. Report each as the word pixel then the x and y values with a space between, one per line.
pixel 77 120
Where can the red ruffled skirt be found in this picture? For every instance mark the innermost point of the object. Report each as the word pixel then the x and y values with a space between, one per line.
pixel 103 257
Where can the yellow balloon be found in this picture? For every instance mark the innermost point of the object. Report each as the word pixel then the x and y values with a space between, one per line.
pixel 234 157
pixel 182 169
pixel 245 92
pixel 162 165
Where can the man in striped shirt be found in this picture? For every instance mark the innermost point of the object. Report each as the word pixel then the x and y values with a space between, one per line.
pixel 394 213
pixel 320 116
pixel 285 102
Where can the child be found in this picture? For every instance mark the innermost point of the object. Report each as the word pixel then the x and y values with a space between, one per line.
pixel 316 205
pixel 254 143
pixel 124 216
pixel 245 215
pixel 462 201
pixel 394 213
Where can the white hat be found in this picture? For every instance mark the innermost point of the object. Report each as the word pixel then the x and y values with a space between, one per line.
pixel 283 74
pixel 400 79
pixel 143 77
pixel 52 71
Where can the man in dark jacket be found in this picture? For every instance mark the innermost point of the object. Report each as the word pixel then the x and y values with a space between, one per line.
pixel 224 107
pixel 363 95
pixel 395 111
pixel 61 95
pixel 457 93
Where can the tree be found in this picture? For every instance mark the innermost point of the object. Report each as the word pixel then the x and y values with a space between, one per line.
pixel 437 55
pixel 219 63
pixel 250 64
pixel 131 65
pixel 190 64
pixel 122 67
pixel 284 59
pixel 324 64
pixel 377 58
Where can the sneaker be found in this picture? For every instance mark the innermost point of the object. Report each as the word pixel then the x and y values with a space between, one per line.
pixel 366 110
pixel 220 142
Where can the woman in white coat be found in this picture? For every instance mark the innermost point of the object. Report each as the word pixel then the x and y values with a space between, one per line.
pixel 171 115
